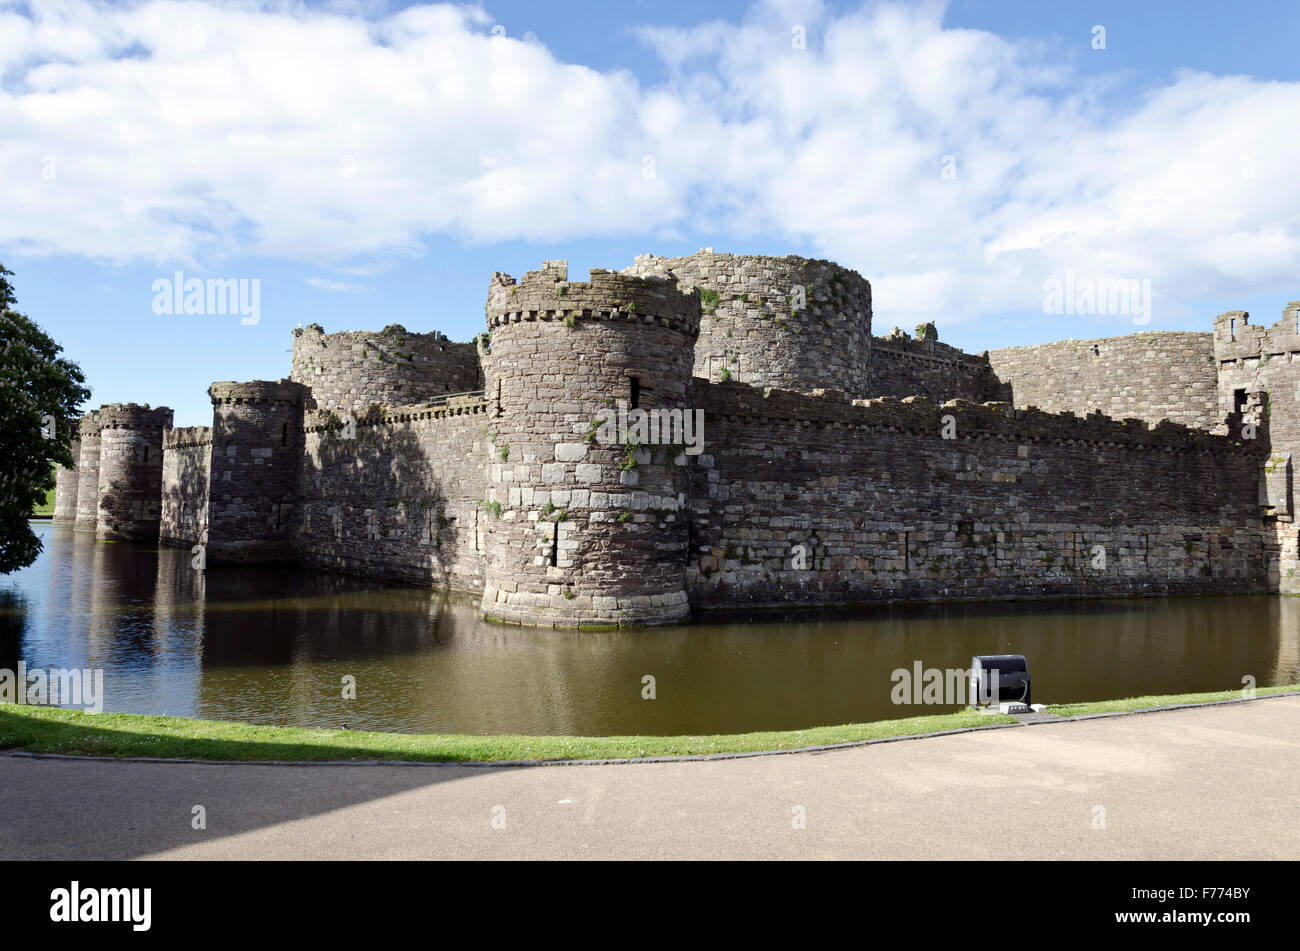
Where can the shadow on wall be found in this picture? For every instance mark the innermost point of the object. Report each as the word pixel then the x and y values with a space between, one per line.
pixel 371 502
pixel 185 487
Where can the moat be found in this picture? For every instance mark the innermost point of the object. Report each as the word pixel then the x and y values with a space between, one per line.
pixel 271 645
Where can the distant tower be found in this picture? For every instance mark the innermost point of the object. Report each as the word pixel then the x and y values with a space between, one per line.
pixel 65 487
pixel 87 511
pixel 580 532
pixel 130 471
pixel 790 322
pixel 256 447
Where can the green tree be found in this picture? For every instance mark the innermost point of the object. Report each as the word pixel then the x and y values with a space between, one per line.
pixel 40 393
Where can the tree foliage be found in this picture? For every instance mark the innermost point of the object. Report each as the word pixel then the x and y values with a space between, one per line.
pixel 40 393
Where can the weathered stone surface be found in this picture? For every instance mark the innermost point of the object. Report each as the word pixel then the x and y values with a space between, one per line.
pixel 561 352
pixel 391 367
pixel 129 495
pixel 1152 376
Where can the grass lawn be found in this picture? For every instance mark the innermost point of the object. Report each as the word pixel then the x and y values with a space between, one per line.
pixel 48 507
pixel 53 730
pixel 1166 700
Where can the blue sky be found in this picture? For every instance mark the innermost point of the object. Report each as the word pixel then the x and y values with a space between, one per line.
pixel 374 163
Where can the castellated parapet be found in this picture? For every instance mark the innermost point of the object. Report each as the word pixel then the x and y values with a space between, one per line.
pixel 391 367
pixel 585 532
pixel 257 432
pixel 130 471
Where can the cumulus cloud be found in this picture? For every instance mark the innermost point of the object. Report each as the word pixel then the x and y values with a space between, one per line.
pixel 955 168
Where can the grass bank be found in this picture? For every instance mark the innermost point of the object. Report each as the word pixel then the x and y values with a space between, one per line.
pixel 1164 700
pixel 46 510
pixel 52 730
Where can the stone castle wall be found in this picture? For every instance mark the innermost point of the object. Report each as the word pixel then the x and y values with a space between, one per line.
pixel 1153 376
pixel 398 495
pixel 392 367
pixel 1011 507
pixel 903 366
pixel 1254 360
pixel 187 463
pixel 817 483
pixel 256 449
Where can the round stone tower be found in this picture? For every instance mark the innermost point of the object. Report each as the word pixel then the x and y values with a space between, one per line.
pixel 66 482
pixel 792 323
pixel 130 471
pixel 586 502
pixel 256 446
pixel 87 511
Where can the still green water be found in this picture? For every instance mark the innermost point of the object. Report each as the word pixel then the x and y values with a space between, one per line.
pixel 273 645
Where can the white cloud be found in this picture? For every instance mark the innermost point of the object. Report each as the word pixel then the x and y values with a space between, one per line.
pixel 333 287
pixel 186 131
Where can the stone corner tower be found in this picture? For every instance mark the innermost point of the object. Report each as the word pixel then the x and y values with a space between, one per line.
pixel 583 529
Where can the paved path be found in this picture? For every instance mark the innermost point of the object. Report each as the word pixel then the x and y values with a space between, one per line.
pixel 1209 783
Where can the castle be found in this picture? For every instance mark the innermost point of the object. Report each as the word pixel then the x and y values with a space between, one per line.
pixel 836 467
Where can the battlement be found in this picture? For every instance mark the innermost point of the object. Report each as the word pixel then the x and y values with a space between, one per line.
pixel 187 436
pixel 259 391
pixel 921 416
pixel 323 421
pixel 132 416
pixel 1236 338
pixel 928 348
pixel 548 294
pixel 88 425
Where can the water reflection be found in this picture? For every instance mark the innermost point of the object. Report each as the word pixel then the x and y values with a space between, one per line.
pixel 273 646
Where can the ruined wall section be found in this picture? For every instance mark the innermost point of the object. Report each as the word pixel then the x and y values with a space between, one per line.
pixel 397 495
pixel 1257 362
pixel 1013 507
pixel 1153 375
pixel 187 464
pixel 391 367
pixel 787 322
